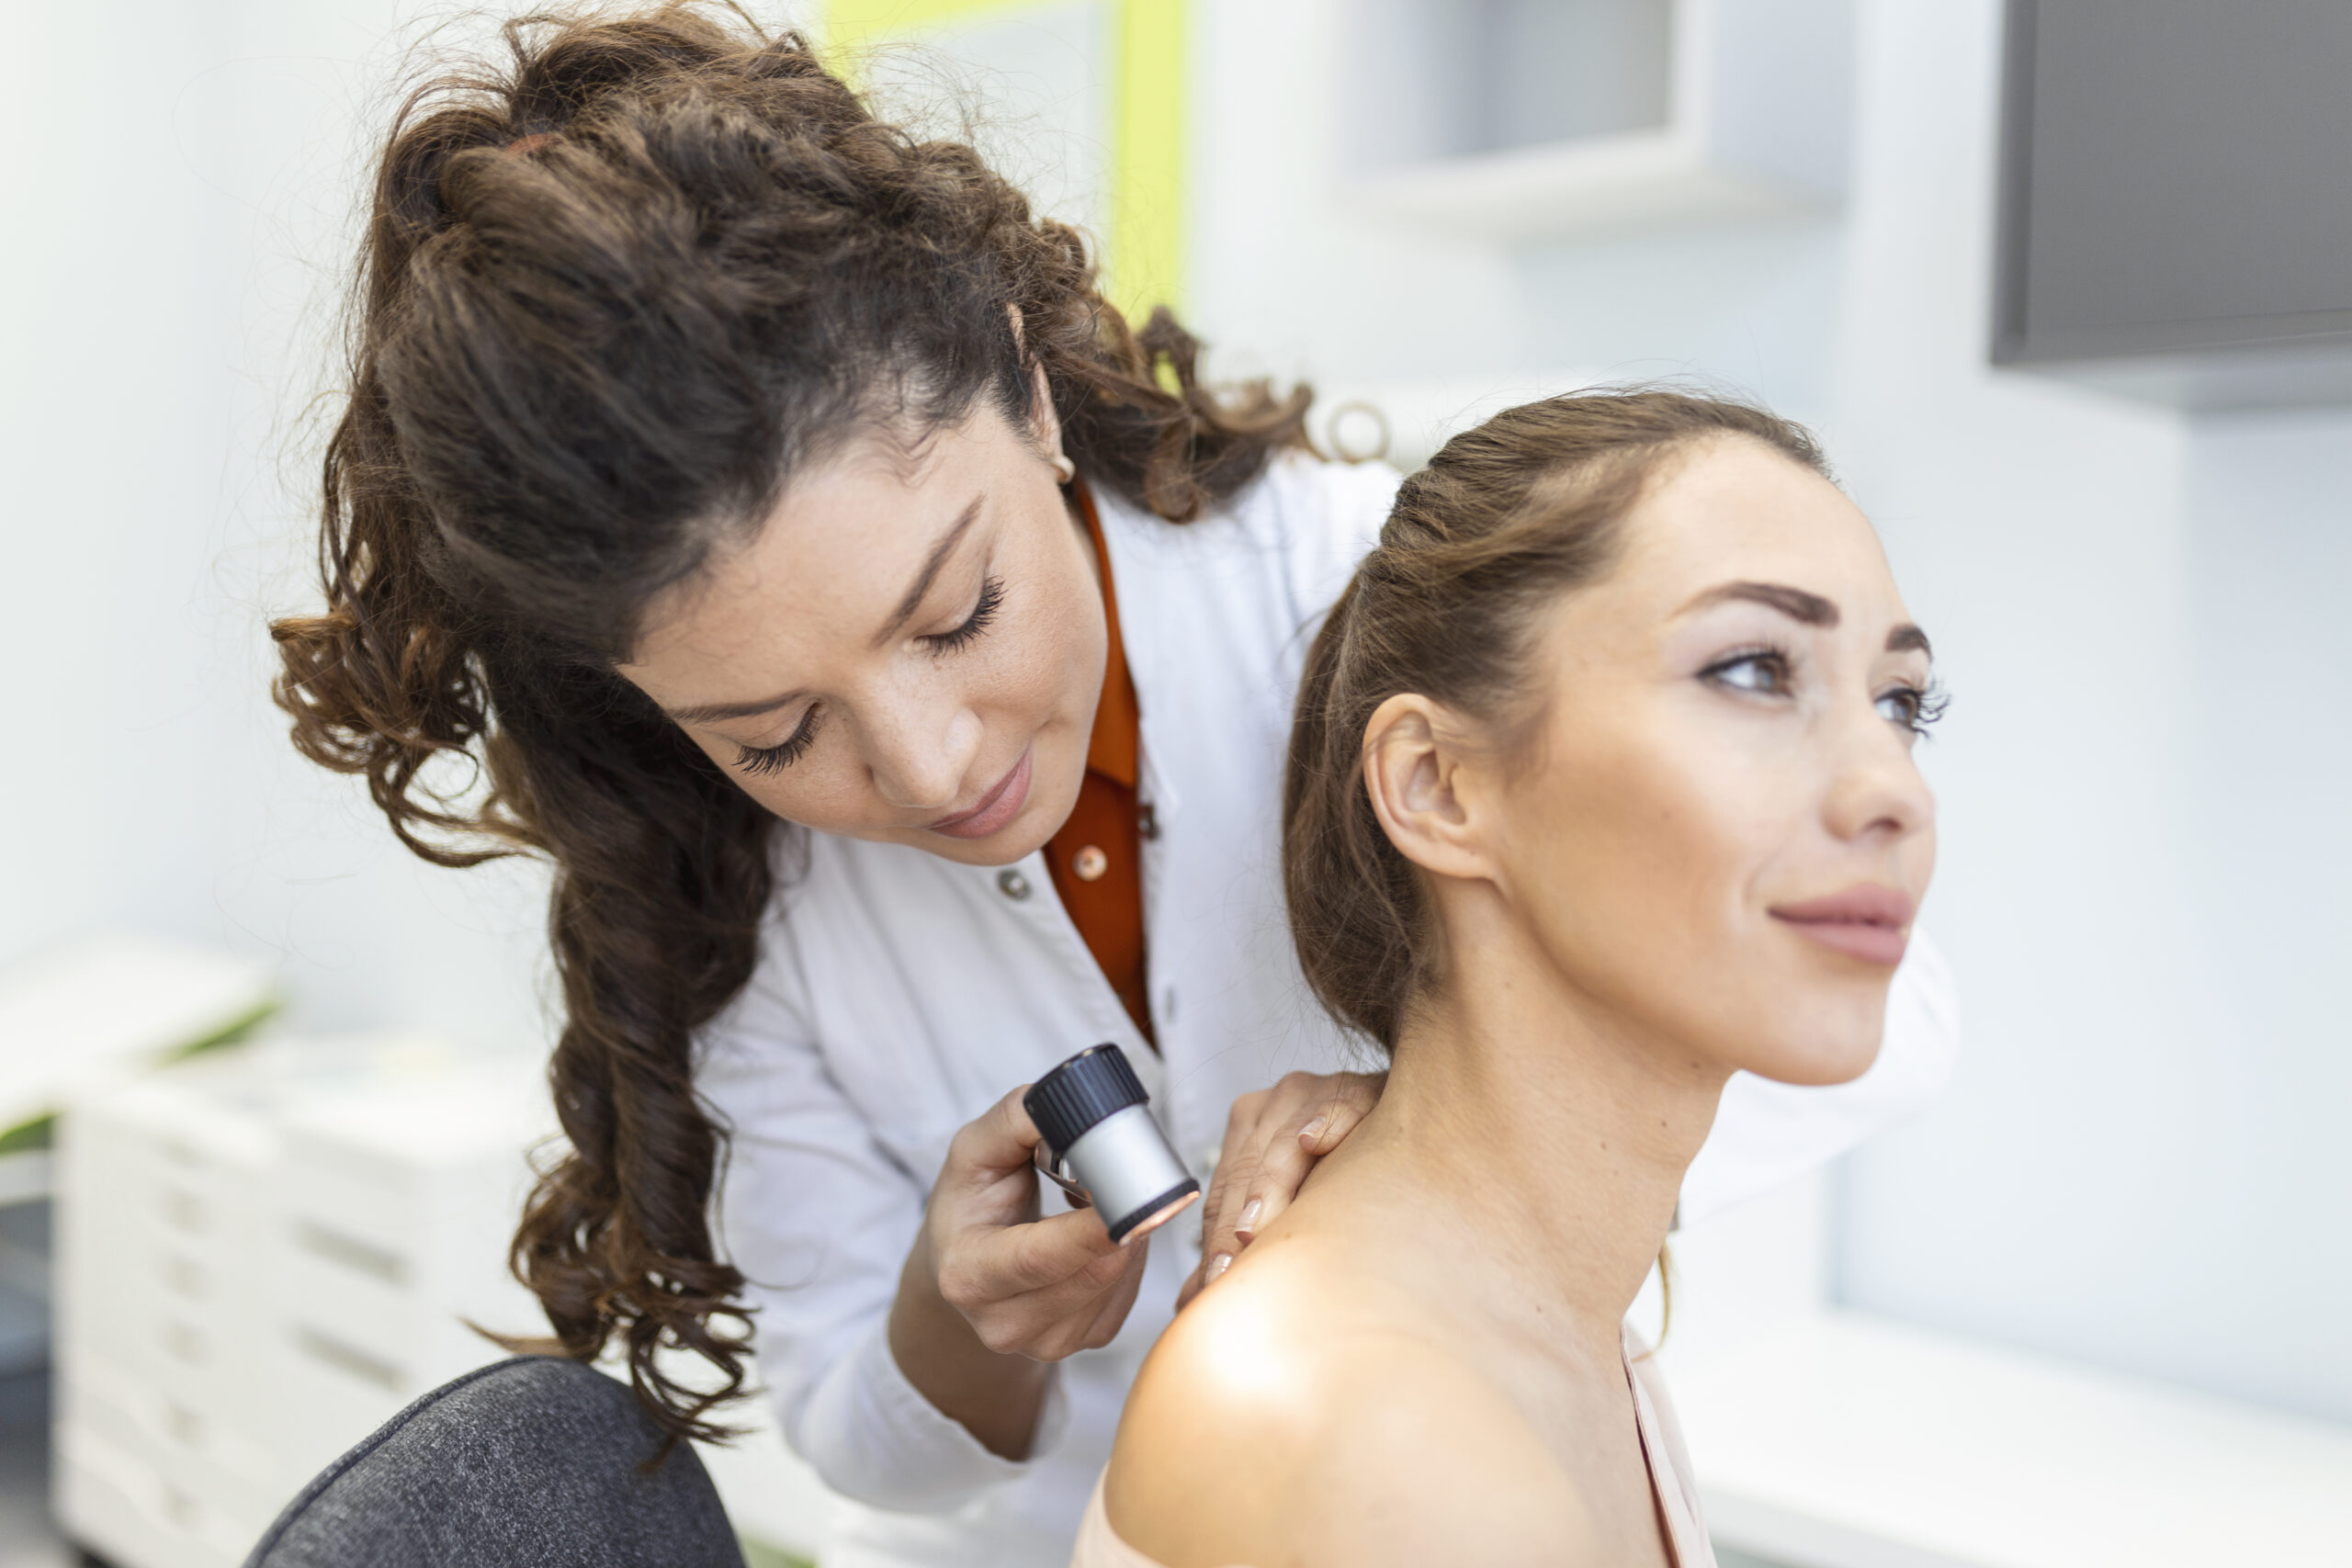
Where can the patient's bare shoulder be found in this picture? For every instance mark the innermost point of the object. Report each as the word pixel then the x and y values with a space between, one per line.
pixel 1281 1421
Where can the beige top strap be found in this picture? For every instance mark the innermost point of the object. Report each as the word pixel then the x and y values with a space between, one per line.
pixel 1669 1463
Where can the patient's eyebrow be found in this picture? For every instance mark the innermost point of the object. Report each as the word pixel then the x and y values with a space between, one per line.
pixel 1810 609
pixel 1905 638
pixel 930 572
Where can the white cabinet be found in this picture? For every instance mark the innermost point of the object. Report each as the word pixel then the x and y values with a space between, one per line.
pixel 168 1447
pixel 263 1254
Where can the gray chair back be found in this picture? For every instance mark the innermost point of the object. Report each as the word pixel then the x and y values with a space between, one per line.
pixel 534 1462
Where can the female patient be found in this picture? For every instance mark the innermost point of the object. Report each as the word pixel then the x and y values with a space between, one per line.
pixel 1601 789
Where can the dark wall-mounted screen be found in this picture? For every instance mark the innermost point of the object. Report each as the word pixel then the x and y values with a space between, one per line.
pixel 2177 176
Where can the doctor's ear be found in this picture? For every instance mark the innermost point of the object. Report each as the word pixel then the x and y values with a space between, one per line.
pixel 1044 421
pixel 1424 787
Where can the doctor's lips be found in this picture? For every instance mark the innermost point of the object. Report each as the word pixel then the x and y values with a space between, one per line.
pixel 1868 922
pixel 994 809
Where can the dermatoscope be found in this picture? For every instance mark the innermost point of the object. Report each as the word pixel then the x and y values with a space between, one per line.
pixel 1102 1146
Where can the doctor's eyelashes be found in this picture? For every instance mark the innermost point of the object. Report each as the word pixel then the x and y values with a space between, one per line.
pixel 760 760
pixel 983 613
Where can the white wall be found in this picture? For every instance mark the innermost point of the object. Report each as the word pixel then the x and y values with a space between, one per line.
pixel 2142 1161
pixel 177 213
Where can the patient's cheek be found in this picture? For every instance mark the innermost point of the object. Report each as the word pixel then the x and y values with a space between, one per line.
pixel 1619 864
pixel 1639 843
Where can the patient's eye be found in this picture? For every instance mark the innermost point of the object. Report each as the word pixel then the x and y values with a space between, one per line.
pixel 1912 708
pixel 1760 669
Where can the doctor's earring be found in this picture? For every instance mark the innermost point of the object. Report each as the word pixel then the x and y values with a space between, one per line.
pixel 1064 470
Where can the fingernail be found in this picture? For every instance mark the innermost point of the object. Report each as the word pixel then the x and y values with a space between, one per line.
pixel 1249 1215
pixel 1219 1264
pixel 1313 1131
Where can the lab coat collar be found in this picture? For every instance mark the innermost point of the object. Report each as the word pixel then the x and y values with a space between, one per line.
pixel 1135 540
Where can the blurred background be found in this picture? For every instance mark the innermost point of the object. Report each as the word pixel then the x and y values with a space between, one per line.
pixel 2065 286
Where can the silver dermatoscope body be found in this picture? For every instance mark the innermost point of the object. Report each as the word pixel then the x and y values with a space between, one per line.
pixel 1101 1145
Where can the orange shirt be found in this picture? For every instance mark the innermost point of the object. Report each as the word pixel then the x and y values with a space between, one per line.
pixel 1097 858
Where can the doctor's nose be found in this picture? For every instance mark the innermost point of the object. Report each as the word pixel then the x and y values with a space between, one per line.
pixel 920 760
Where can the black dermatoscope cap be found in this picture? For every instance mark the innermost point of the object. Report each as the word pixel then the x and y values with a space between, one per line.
pixel 1091 1087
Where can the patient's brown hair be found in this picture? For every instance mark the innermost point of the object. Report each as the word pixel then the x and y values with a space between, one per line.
pixel 1505 519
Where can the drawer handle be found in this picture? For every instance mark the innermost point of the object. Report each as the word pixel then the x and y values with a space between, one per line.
pixel 184 1210
pixel 185 1426
pixel 346 1358
pixel 183 1342
pixel 337 1246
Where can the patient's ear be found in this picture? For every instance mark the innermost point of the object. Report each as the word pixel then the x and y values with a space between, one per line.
pixel 1424 786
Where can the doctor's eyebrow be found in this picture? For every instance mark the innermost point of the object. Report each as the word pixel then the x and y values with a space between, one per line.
pixel 718 712
pixel 930 572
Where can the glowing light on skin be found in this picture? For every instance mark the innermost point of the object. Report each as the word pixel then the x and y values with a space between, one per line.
pixel 1245 1350
pixel 1245 1336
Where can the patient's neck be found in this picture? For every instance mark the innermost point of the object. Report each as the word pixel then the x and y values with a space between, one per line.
pixel 1556 1131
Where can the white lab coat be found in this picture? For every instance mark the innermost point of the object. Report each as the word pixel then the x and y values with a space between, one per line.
pixel 899 995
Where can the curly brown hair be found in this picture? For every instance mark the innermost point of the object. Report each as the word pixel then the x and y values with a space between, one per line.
pixel 615 293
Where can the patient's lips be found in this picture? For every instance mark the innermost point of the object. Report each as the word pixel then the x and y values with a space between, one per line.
pixel 1866 922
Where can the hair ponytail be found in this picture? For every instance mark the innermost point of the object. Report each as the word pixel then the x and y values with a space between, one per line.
pixel 662 870
pixel 384 684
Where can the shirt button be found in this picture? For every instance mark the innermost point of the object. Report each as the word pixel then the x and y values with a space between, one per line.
pixel 1090 864
pixel 1012 885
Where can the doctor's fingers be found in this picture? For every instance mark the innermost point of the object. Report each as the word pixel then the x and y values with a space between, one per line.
pixel 1078 1322
pixel 985 1265
pixel 1076 1313
pixel 1001 1139
pixel 1112 1315
pixel 1303 1118
pixel 1237 1168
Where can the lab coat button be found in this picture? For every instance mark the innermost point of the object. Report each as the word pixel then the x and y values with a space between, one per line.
pixel 1012 885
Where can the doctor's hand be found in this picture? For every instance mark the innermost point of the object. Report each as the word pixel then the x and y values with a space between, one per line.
pixel 990 1292
pixel 1271 1140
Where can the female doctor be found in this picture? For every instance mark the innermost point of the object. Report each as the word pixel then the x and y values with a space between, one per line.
pixel 893 654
